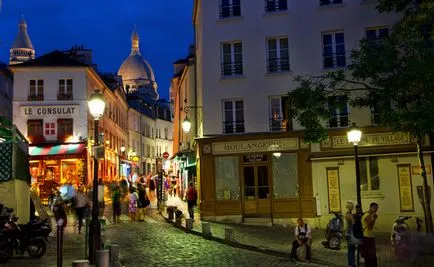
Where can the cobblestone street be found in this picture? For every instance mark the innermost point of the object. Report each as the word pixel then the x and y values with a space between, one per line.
pixel 155 243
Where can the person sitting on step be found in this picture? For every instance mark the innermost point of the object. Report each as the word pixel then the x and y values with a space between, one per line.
pixel 303 237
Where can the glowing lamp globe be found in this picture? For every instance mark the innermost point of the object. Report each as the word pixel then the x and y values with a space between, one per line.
pixel 354 135
pixel 186 125
pixel 96 105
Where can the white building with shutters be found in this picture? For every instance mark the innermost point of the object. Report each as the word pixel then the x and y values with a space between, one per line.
pixel 253 162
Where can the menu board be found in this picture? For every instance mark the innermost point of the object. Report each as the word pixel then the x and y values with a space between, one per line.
pixel 405 188
pixel 255 158
pixel 333 186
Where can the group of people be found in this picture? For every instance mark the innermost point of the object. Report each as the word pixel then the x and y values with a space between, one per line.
pixel 136 196
pixel 80 202
pixel 359 234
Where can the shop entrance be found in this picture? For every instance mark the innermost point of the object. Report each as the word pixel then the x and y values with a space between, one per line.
pixel 256 191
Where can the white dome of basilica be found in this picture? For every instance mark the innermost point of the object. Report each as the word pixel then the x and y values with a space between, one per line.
pixel 136 72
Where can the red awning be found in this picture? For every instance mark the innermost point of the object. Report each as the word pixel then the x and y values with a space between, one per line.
pixel 67 150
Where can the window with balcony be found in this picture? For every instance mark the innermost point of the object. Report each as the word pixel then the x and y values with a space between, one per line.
pixel 232 59
pixel 333 50
pixel 374 35
pixel 166 133
pixel 64 129
pixel 65 89
pixel 35 131
pixel 233 116
pixel 330 2
pixel 276 5
pixel 377 33
pixel 369 174
pixel 375 114
pixel 280 120
pixel 36 90
pixel 339 115
pixel 230 8
pixel 278 55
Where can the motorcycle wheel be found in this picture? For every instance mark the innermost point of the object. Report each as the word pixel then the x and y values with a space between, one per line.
pixel 37 248
pixel 5 249
pixel 334 242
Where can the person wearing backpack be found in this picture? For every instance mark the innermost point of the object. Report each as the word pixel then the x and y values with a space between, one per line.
pixel 303 237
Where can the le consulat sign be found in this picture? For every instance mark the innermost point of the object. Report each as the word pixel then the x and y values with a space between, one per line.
pixel 49 110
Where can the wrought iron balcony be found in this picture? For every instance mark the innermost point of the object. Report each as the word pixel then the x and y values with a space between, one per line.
pixel 227 11
pixel 233 127
pixel 232 69
pixel 279 125
pixel 35 97
pixel 63 96
pixel 276 5
pixel 339 121
pixel 334 60
pixel 278 65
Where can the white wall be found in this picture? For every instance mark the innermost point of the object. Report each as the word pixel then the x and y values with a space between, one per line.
pixel 51 76
pixel 303 24
pixel 387 197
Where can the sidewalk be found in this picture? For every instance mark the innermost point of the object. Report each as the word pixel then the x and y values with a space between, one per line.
pixel 277 240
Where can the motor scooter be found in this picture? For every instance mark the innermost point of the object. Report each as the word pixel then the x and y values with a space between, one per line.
pixel 334 232
pixel 401 236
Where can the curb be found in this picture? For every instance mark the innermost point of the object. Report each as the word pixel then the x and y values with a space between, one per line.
pixel 270 252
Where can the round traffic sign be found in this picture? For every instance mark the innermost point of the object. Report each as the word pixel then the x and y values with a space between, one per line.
pixel 166 155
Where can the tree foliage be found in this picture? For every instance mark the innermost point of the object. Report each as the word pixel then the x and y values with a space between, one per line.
pixel 394 75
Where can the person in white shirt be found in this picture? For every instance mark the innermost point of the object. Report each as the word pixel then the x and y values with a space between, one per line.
pixel 303 237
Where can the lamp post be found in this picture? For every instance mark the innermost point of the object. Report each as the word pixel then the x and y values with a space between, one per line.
pixel 354 136
pixel 186 124
pixel 96 108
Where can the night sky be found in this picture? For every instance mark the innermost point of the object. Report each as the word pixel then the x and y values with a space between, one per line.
pixel 105 26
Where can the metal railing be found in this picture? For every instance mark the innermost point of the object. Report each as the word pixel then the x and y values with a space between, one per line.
pixel 63 96
pixel 233 127
pixel 329 2
pixel 339 121
pixel 36 97
pixel 232 69
pixel 278 65
pixel 227 11
pixel 276 5
pixel 334 60
pixel 279 125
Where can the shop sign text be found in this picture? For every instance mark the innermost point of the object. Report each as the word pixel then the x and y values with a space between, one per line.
pixel 381 139
pixel 49 110
pixel 255 146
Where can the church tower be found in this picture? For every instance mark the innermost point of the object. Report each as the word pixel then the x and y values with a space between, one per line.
pixel 22 49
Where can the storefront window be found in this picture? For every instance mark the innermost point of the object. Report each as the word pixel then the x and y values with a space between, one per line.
pixel 369 175
pixel 227 180
pixel 285 175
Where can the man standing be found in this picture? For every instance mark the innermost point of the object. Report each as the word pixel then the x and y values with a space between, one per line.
pixel 191 200
pixel 303 237
pixel 81 204
pixel 369 247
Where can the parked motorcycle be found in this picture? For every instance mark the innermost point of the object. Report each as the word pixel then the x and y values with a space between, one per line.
pixel 334 232
pixel 30 237
pixel 401 236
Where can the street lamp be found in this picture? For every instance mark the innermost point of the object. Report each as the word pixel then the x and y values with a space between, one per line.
pixel 96 105
pixel 354 136
pixel 186 125
pixel 122 149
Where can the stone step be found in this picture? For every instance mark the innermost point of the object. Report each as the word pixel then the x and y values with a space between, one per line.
pixel 258 221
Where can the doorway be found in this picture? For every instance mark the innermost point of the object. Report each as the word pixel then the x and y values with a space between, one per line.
pixel 256 191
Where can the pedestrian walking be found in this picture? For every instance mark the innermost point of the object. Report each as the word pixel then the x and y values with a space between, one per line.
pixel 191 200
pixel 59 208
pixel 142 203
pixel 350 220
pixel 132 206
pixel 369 250
pixel 81 203
pixel 116 202
pixel 303 237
